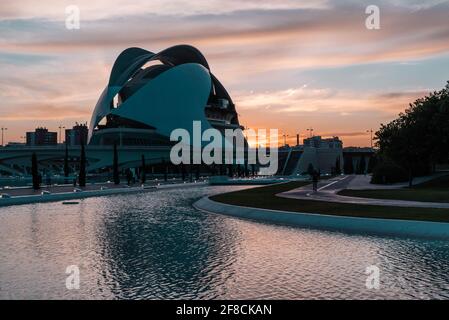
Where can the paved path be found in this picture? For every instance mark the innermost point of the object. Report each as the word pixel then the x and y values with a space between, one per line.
pixel 362 182
pixel 327 192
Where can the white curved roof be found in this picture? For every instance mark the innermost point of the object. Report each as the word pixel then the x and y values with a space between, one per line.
pixel 172 98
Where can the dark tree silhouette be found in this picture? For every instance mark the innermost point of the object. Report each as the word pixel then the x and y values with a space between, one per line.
pixel 66 161
pixel 115 172
pixel 143 177
pixel 419 137
pixel 35 172
pixel 82 173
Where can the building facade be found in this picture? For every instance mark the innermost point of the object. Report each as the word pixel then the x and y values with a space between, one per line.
pixel 41 137
pixel 142 106
pixel 77 135
pixel 324 155
pixel 147 96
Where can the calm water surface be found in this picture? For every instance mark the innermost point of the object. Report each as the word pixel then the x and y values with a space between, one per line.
pixel 156 246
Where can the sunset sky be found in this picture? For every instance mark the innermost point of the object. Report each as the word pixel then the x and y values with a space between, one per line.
pixel 287 64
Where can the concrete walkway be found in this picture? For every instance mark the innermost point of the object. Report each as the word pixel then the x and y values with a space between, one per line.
pixel 327 191
pixel 362 182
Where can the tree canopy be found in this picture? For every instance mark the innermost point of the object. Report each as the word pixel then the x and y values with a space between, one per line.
pixel 419 137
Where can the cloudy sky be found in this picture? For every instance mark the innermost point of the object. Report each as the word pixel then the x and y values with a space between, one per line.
pixel 288 64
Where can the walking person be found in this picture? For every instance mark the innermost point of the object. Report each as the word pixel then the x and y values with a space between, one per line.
pixel 129 176
pixel 315 178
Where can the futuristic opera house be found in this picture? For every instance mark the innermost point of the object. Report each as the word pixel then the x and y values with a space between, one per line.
pixel 151 94
pixel 148 95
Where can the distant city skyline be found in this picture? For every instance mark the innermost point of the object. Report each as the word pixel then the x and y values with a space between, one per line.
pixel 290 65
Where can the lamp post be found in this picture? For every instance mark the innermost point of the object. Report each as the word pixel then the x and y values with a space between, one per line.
pixel 311 132
pixel 3 130
pixel 370 131
pixel 285 139
pixel 60 134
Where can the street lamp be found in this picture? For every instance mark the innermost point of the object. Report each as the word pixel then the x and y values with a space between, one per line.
pixel 60 134
pixel 310 131
pixel 285 139
pixel 3 130
pixel 370 131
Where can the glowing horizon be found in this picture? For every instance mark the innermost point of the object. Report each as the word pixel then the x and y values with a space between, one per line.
pixel 287 64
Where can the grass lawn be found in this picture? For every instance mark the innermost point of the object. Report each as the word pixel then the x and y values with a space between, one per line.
pixel 432 191
pixel 265 197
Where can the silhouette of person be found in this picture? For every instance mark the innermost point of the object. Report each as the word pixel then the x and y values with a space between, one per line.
pixel 129 176
pixel 315 178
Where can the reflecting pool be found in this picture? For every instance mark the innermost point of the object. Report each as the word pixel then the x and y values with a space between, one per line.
pixel 156 246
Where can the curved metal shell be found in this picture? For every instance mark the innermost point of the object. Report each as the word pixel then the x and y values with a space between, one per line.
pixel 181 54
pixel 165 97
pixel 184 88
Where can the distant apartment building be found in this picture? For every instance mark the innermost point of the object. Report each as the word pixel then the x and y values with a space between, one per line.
pixel 76 135
pixel 318 142
pixel 41 137
pixel 325 155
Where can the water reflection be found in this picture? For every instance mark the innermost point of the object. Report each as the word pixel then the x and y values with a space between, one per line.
pixel 418 268
pixel 153 253
pixel 155 245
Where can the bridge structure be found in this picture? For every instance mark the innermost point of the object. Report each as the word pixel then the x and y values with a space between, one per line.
pixel 16 161
pixel 147 97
